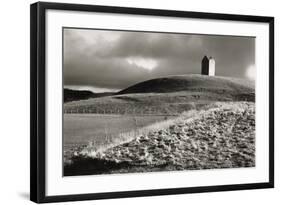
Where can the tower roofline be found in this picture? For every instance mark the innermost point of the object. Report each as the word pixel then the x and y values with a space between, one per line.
pixel 205 57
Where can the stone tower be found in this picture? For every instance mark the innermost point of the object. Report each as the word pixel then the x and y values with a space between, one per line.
pixel 208 66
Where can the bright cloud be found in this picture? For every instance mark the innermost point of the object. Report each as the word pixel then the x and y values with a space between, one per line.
pixel 145 63
pixel 251 72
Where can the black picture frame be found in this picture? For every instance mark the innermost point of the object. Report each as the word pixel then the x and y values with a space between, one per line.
pixel 38 101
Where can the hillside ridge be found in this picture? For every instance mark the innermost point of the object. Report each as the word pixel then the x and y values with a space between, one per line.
pixel 169 95
pixel 191 82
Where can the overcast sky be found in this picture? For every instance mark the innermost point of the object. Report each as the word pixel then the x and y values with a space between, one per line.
pixel 102 60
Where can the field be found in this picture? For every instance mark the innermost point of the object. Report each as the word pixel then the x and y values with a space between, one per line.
pixel 101 130
pixel 175 123
pixel 221 137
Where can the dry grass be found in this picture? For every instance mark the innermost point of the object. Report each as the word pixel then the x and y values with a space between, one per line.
pixel 221 137
pixel 92 150
pixel 100 131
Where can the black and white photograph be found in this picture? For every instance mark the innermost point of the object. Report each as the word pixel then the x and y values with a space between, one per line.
pixel 149 101
pixel 146 101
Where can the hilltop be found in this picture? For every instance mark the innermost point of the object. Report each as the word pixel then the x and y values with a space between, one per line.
pixel 193 82
pixel 170 95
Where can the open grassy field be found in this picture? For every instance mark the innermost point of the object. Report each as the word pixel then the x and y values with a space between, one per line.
pixel 140 104
pixel 83 128
pixel 102 130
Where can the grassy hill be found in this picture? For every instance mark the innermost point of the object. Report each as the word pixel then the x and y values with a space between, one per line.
pixel 201 83
pixel 74 95
pixel 171 95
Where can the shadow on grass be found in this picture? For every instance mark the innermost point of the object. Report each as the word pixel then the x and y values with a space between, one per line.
pixel 92 166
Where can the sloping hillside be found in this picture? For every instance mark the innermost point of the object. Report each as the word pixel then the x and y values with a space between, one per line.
pixel 201 83
pixel 74 95
pixel 169 95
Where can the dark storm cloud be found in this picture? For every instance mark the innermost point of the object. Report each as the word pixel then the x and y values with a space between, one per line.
pixel 116 60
